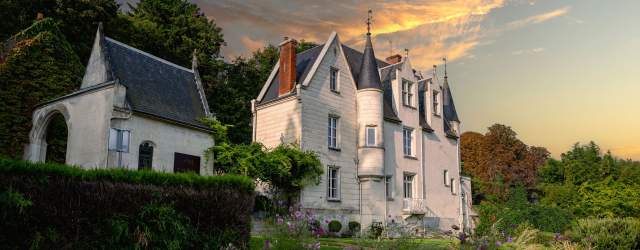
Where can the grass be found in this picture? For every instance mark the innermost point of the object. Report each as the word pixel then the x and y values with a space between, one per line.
pixel 257 242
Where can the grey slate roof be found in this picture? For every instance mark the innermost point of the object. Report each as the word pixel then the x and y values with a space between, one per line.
pixel 449 109
pixel 154 86
pixel 369 76
pixel 304 62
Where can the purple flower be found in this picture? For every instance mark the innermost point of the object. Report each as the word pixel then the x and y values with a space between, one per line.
pixel 509 239
pixel 298 214
pixel 498 243
pixel 279 220
pixel 267 244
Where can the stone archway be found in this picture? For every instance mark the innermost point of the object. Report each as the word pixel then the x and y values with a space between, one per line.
pixel 47 123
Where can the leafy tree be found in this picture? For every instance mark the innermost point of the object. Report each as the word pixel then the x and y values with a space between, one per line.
pixel 286 168
pixel 40 65
pixel 75 19
pixel 498 160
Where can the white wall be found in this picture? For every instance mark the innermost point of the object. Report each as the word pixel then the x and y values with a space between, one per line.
pixel 318 102
pixel 87 115
pixel 278 122
pixel 167 139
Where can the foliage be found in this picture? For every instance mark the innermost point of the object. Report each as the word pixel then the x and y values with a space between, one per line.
pixel 76 19
pixel 239 183
pixel 76 204
pixel 155 226
pixel 335 226
pixel 516 210
pixel 498 160
pixel 591 184
pixel 375 230
pixel 354 227
pixel 40 65
pixel 616 233
pixel 286 168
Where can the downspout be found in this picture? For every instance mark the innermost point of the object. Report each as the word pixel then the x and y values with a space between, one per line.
pixel 254 119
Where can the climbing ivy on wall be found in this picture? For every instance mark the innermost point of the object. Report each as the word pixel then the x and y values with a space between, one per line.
pixel 38 65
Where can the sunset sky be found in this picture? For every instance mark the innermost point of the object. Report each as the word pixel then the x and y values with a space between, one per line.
pixel 557 72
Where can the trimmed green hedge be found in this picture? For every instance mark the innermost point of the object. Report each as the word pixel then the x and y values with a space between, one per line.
pixel 242 183
pixel 58 206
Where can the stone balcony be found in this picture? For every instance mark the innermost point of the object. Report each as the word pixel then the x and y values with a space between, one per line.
pixel 414 206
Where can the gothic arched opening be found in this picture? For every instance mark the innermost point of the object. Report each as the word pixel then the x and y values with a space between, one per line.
pixel 56 137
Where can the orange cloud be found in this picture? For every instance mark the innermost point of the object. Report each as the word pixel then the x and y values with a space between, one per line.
pixel 431 29
pixel 538 18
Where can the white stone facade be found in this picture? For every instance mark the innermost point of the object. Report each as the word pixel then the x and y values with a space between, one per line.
pixel 364 168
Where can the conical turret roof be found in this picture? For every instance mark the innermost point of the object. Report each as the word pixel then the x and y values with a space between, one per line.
pixel 369 76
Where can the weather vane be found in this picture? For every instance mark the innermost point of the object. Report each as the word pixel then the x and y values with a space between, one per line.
pixel 444 59
pixel 369 21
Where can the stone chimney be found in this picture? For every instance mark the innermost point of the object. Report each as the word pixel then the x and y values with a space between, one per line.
pixel 394 59
pixel 287 71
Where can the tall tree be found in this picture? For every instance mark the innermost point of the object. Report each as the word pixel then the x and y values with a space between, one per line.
pixel 77 20
pixel 39 65
pixel 499 160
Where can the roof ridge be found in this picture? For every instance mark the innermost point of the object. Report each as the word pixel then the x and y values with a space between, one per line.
pixel 148 54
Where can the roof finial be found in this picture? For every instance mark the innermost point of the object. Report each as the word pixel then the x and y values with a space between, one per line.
pixel 369 21
pixel 445 66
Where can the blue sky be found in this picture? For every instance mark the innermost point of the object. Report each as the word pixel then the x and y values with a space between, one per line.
pixel 557 72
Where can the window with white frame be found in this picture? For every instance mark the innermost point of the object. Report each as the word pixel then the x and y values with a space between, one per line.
pixel 388 187
pixel 446 178
pixel 407 92
pixel 333 79
pixel 119 140
pixel 408 185
pixel 371 135
pixel 333 183
pixel 407 141
pixel 332 128
pixel 436 108
pixel 453 186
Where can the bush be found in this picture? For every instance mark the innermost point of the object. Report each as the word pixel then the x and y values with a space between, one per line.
pixel 354 227
pixel 506 216
pixel 608 233
pixel 375 230
pixel 67 207
pixel 335 226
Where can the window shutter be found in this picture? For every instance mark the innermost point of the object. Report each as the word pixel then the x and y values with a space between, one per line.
pixel 113 139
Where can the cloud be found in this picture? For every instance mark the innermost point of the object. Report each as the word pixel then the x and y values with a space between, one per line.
pixel 431 29
pixel 527 51
pixel 251 44
pixel 538 18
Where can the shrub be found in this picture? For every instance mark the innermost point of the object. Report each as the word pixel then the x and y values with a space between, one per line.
pixel 354 227
pixel 75 208
pixel 335 226
pixel 618 233
pixel 375 230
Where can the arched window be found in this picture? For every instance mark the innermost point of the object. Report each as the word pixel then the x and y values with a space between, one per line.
pixel 145 156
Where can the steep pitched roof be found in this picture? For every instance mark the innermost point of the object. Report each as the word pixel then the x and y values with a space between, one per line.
pixel 449 108
pixel 369 76
pixel 304 62
pixel 155 86
pixel 448 105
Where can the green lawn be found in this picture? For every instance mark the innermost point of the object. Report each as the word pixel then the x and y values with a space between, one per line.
pixel 257 242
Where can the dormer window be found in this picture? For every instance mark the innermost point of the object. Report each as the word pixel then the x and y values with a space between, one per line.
pixel 407 93
pixel 436 107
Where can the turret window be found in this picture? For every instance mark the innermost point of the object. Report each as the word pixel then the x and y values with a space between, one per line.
pixel 371 136
pixel 407 93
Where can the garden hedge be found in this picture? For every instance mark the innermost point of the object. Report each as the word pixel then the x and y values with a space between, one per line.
pixel 59 206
